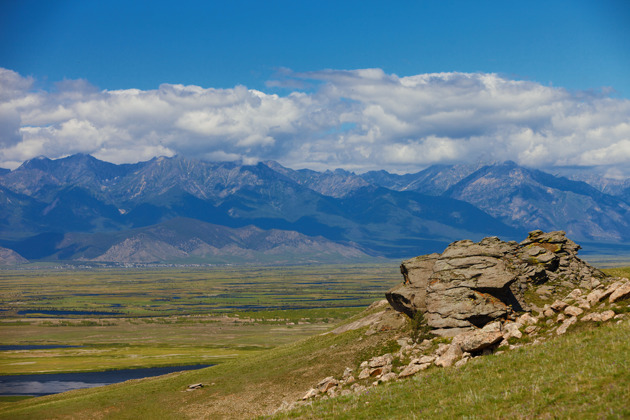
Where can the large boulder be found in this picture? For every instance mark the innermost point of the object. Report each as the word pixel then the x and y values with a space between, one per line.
pixel 471 284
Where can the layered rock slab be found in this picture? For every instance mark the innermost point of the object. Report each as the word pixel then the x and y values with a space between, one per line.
pixel 471 284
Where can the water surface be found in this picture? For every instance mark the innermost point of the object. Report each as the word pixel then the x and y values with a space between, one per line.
pixel 46 384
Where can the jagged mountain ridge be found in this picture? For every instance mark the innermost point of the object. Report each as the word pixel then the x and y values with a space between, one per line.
pixel 385 214
pixel 235 195
pixel 537 200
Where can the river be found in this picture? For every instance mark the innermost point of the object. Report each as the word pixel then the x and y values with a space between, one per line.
pixel 54 383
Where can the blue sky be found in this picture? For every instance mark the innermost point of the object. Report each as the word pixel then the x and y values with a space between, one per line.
pixel 125 44
pixel 360 85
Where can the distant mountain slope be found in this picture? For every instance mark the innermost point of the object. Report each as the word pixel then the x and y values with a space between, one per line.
pixel 181 239
pixel 534 199
pixel 337 183
pixel 10 257
pixel 434 180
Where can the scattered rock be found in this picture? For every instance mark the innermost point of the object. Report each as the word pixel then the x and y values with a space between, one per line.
pixel 379 361
pixel 364 374
pixel 559 305
pixel 311 393
pixel 573 311
pixel 595 296
pixel 193 387
pixel 565 325
pixel 452 354
pixel 574 294
pixel 526 319
pixel 621 292
pixel 512 329
pixel 475 341
pixel 327 383
pixel 607 316
pixel 593 316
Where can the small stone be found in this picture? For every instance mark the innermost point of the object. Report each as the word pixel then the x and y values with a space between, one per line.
pixel 376 372
pixel 531 329
pixel 410 370
pixel 595 296
pixel 593 316
pixel 559 305
pixel 573 310
pixel 426 359
pixel 526 319
pixel 565 325
pixel 512 329
pixel 621 292
pixel 349 380
pixel 365 373
pixel 347 373
pixel 583 304
pixel 560 318
pixel 450 356
pixel 461 362
pixel 311 393
pixel 607 315
pixel 477 340
pixel 379 361
pixel 574 294
pixel 327 383
pixel 548 313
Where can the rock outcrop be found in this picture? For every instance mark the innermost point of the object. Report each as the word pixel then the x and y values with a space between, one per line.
pixel 471 284
pixel 592 301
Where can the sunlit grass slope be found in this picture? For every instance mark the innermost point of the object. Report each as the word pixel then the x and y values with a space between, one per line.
pixel 585 374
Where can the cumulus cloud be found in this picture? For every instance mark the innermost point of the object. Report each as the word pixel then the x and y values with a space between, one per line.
pixel 356 119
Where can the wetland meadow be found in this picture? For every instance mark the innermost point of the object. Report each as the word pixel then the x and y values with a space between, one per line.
pixel 94 320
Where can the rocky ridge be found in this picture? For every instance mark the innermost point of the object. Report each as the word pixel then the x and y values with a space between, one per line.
pixel 471 284
pixel 554 301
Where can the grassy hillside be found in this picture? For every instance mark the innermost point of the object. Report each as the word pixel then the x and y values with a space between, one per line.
pixel 584 374
pixel 580 375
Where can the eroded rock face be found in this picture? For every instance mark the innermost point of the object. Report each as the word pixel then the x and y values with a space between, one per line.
pixel 471 284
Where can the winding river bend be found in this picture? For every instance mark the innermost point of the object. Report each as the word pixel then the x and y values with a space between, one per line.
pixel 46 384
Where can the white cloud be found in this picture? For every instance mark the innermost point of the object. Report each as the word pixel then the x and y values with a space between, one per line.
pixel 357 119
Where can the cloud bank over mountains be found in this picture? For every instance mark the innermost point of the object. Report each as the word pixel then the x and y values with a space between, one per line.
pixel 354 119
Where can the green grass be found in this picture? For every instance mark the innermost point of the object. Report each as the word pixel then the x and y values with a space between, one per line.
pixel 581 375
pixel 618 272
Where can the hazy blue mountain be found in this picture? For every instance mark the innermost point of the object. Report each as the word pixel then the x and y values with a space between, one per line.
pixel 45 202
pixel 337 183
pixel 434 180
pixel 530 199
pixel 189 240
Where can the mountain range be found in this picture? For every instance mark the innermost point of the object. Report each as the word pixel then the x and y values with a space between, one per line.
pixel 180 209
